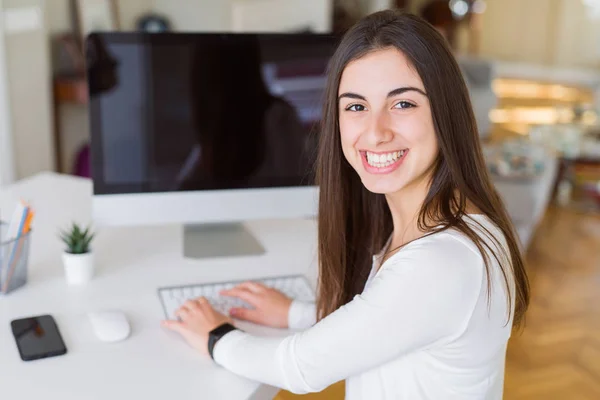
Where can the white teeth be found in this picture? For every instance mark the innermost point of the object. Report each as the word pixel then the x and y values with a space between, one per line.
pixel 383 160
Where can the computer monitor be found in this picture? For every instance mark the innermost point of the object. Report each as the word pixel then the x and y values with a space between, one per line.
pixel 207 130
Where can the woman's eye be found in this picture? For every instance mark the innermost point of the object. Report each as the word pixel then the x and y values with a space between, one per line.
pixel 356 107
pixel 404 104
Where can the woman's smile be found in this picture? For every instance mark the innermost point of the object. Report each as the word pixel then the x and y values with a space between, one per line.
pixel 383 162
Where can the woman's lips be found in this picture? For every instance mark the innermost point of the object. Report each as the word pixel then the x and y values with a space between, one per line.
pixel 383 169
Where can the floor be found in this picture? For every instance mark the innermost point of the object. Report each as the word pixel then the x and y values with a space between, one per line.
pixel 557 355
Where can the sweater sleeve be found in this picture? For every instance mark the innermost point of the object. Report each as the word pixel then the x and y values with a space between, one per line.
pixel 302 315
pixel 421 297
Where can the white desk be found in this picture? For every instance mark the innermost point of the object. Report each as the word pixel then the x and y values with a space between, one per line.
pixel 131 264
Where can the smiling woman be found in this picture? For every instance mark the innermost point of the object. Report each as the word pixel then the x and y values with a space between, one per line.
pixel 420 275
pixel 379 126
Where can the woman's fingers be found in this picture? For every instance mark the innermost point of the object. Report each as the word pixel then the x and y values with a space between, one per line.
pixel 248 296
pixel 191 307
pixel 202 302
pixel 182 313
pixel 250 286
pixel 254 287
pixel 176 326
pixel 191 304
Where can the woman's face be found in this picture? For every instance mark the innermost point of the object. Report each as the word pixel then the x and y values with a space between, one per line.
pixel 385 122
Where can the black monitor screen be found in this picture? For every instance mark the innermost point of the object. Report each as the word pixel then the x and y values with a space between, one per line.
pixel 200 111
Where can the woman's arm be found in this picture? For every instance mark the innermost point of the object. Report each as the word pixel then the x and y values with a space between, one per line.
pixel 302 315
pixel 423 296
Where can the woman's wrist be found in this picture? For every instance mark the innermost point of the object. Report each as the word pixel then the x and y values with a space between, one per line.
pixel 216 334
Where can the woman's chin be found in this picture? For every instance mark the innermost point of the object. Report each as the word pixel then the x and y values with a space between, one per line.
pixel 382 187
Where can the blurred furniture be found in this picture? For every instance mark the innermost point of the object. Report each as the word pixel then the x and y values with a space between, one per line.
pixel 578 148
pixel 524 174
pixel 526 199
pixel 515 159
pixel 532 95
pixel 66 90
pixel 581 175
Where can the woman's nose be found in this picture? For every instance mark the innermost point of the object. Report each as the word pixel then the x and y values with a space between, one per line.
pixel 380 129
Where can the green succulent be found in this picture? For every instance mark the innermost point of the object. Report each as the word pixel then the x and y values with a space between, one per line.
pixel 77 240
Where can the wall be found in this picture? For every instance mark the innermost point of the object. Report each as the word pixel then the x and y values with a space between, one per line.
pixel 58 13
pixel 371 6
pixel 548 32
pixel 578 36
pixel 28 71
pixel 280 15
pixel 249 15
pixel 194 15
pixel 6 147
pixel 516 30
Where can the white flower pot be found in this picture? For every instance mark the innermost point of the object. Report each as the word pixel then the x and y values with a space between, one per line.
pixel 79 268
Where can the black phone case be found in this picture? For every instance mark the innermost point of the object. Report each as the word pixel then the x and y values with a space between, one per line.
pixel 40 355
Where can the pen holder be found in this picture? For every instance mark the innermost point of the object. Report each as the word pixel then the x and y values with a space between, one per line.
pixel 13 260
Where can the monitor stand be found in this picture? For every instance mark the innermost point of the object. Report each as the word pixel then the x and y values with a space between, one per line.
pixel 219 240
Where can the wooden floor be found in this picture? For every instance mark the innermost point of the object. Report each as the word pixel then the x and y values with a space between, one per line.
pixel 557 355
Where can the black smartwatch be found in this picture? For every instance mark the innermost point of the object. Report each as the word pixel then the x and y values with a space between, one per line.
pixel 216 334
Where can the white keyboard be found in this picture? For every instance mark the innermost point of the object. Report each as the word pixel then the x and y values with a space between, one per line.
pixel 295 287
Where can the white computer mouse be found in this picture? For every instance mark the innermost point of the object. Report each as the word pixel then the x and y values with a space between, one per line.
pixel 110 325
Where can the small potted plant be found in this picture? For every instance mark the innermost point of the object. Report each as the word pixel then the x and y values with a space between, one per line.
pixel 78 259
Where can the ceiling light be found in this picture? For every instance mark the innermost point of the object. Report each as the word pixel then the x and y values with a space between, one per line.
pixel 459 8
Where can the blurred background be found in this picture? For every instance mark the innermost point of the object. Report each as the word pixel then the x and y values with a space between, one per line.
pixel 533 72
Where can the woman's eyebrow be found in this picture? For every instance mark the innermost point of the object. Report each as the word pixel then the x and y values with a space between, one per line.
pixel 401 90
pixel 351 95
pixel 392 93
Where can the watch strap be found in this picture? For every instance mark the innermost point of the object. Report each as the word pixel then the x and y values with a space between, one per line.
pixel 216 334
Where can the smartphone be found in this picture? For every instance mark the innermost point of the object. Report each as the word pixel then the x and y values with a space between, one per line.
pixel 38 337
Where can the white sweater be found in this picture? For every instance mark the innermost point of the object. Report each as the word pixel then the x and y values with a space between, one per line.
pixel 421 329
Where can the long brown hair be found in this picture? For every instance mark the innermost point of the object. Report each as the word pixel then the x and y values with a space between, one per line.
pixel 353 223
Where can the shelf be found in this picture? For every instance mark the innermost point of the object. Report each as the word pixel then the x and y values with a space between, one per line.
pixel 70 90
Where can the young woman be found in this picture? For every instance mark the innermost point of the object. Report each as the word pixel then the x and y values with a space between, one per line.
pixel 421 279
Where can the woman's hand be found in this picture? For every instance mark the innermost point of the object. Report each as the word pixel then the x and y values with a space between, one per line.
pixel 271 307
pixel 198 318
